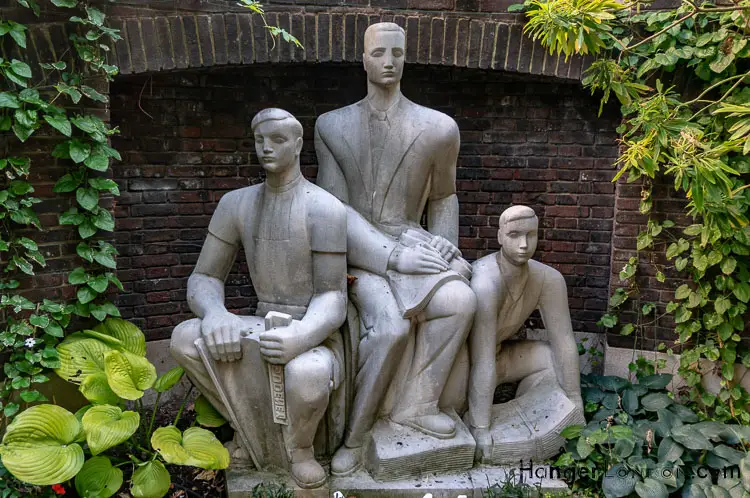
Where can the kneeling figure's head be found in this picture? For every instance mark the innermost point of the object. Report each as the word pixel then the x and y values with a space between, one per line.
pixel 518 233
pixel 278 139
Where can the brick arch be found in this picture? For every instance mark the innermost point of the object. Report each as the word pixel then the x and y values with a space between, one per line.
pixel 203 40
pixel 166 40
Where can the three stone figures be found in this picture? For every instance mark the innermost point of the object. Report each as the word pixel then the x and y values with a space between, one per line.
pixel 423 334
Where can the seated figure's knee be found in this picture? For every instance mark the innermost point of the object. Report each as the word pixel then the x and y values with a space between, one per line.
pixel 308 377
pixel 454 298
pixel 183 338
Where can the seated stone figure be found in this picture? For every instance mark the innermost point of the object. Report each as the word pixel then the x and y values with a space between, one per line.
pixel 294 237
pixel 509 286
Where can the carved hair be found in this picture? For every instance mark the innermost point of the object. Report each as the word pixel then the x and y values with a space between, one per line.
pixel 514 213
pixel 276 114
pixel 382 26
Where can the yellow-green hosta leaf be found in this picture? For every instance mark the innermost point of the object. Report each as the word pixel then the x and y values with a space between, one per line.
pixel 168 380
pixel 206 414
pixel 150 481
pixel 110 341
pixel 197 447
pixel 98 478
pixel 39 446
pixel 107 426
pixel 80 356
pixel 96 389
pixel 129 335
pixel 128 375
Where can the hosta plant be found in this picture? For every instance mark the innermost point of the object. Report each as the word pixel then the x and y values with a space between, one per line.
pixel 640 442
pixel 47 444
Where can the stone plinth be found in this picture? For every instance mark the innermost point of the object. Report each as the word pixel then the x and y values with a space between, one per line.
pixel 397 452
pixel 529 426
pixel 471 484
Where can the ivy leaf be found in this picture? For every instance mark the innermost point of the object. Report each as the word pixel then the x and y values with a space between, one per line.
pixel 78 276
pixel 93 94
pixel 608 321
pixel 86 229
pixel 627 329
pixel 78 150
pixel 86 295
pixel 88 198
pixel 103 220
pixel 9 100
pixel 68 4
pixel 97 162
pixel 742 292
pixel 105 260
pixel 99 283
pixel 20 68
pixel 60 123
pixel 67 183
pixel 84 251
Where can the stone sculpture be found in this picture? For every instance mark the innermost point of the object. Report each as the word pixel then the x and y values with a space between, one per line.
pixel 389 159
pixel 294 237
pixel 509 286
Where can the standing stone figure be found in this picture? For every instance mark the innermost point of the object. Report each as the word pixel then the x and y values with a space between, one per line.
pixel 388 159
pixel 509 286
pixel 294 237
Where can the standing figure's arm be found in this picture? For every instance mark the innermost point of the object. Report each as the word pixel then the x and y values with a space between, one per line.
pixel 205 290
pixel 442 207
pixel 327 309
pixel 553 305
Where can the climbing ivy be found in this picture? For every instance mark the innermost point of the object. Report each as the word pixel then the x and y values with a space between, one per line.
pixel 681 78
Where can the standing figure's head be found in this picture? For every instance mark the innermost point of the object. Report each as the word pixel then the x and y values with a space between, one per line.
pixel 278 140
pixel 518 233
pixel 383 58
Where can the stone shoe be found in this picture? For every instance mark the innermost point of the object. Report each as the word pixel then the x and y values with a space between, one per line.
pixel 346 461
pixel 306 471
pixel 438 425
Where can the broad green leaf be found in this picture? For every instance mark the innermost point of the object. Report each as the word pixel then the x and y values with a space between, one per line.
pixel 97 162
pixel 78 150
pixel 168 380
pixel 624 447
pixel 60 123
pixel 629 401
pixel 86 295
pixel 87 197
pixel 9 100
pixel 669 450
pixel 583 448
pixel 67 183
pixel 742 292
pixel 655 401
pixel 80 357
pixel 619 481
pixel 128 374
pixel 651 488
pixel 99 283
pixel 150 481
pixel 128 334
pixel 197 447
pixel 206 414
pixel 107 426
pixel 65 3
pixel 729 454
pixel 690 438
pixel 39 445
pixel 96 389
pixel 682 292
pixel 572 431
pixel 78 276
pixel 20 68
pixel 104 220
pixel 657 381
pixel 98 478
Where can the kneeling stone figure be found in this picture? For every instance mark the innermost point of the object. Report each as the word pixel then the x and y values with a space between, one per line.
pixel 294 237
pixel 509 286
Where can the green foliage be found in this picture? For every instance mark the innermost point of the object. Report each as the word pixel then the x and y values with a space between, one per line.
pixel 681 78
pixel 640 442
pixel 45 444
pixel 272 490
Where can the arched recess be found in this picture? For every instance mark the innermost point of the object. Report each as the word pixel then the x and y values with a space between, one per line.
pixel 157 41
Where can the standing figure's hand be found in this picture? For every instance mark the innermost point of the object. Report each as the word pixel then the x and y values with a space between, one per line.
pixel 221 330
pixel 281 345
pixel 419 259
pixel 445 247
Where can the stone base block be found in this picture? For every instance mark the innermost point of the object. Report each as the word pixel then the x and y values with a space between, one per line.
pixel 470 484
pixel 397 452
pixel 529 426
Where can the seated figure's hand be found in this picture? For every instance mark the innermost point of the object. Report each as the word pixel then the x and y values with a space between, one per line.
pixel 419 259
pixel 483 437
pixel 221 330
pixel 281 345
pixel 445 247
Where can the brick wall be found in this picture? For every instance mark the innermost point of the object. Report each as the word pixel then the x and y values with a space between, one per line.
pixel 185 141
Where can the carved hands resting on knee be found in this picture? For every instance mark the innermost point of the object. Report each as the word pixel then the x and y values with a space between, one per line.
pixel 222 330
pixel 419 259
pixel 447 250
pixel 281 345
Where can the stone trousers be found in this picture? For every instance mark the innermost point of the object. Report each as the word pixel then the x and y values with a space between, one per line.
pixel 309 380
pixel 439 333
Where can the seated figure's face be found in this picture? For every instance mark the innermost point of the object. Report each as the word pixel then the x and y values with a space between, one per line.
pixel 384 57
pixel 277 145
pixel 519 238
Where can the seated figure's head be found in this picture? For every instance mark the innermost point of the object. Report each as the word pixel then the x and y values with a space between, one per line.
pixel 383 57
pixel 517 234
pixel 278 139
